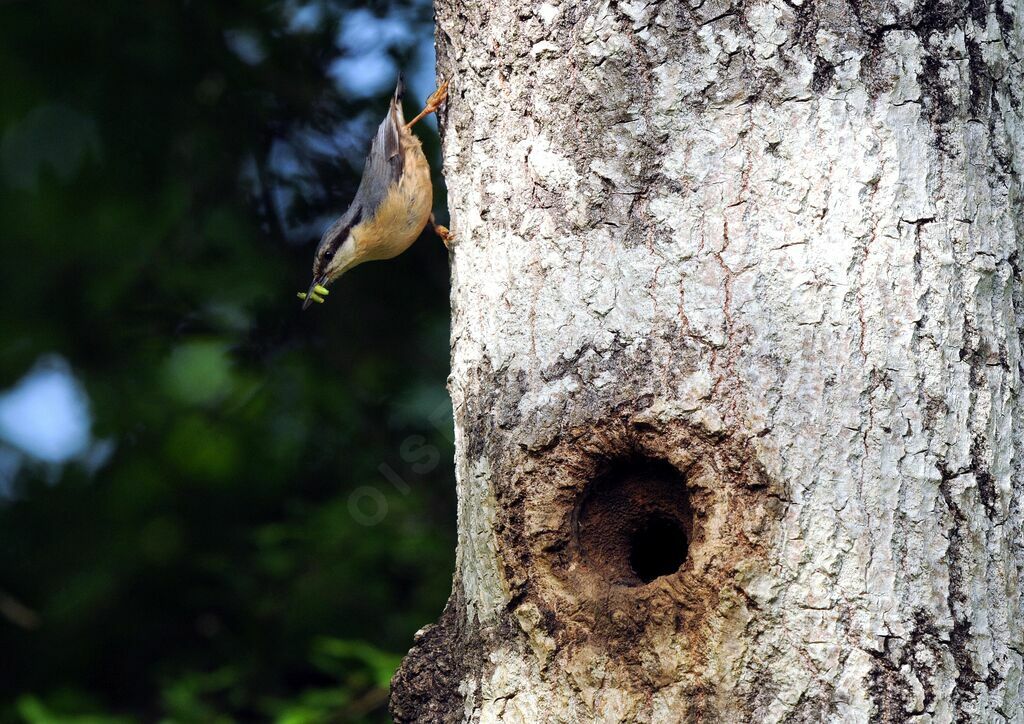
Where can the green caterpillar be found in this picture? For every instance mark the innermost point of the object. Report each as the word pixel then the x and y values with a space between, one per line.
pixel 319 292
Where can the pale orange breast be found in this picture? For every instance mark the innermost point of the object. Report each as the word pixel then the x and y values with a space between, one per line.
pixel 403 214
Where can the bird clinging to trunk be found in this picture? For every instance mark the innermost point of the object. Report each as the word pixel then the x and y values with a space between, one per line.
pixel 391 206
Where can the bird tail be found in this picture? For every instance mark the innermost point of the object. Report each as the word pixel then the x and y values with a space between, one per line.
pixel 396 100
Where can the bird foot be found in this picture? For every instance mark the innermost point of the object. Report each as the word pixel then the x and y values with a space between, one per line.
pixel 437 98
pixel 446 236
pixel 442 231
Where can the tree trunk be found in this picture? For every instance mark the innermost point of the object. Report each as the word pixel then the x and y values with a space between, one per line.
pixel 736 363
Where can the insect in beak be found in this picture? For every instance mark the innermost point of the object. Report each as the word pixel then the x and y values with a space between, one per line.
pixel 316 293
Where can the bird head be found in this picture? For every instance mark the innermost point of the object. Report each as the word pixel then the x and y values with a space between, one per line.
pixel 335 255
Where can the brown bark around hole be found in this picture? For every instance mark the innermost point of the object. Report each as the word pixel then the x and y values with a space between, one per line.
pixel 643 530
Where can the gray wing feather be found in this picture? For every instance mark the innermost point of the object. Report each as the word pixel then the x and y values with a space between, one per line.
pixel 383 166
pixel 383 169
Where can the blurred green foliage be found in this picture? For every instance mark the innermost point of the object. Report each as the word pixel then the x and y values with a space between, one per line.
pixel 273 516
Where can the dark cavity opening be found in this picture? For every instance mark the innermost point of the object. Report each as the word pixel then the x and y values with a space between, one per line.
pixel 657 549
pixel 634 523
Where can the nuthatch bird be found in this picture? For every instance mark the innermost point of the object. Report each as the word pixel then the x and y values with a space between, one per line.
pixel 392 204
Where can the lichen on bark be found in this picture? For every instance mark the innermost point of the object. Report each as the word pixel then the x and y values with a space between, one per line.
pixel 773 247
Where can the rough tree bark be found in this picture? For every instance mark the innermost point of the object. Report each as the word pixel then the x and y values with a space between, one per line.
pixel 736 290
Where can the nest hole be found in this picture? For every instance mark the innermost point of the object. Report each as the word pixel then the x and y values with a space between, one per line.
pixel 634 522
pixel 658 548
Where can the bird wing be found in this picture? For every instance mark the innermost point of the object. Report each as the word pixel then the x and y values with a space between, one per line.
pixel 385 163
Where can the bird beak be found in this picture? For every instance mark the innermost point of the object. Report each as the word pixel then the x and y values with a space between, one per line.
pixel 311 295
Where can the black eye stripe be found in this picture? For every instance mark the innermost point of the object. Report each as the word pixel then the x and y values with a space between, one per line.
pixel 339 238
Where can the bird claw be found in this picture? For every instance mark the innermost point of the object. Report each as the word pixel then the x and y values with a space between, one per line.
pixel 433 103
pixel 445 234
pixel 437 98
